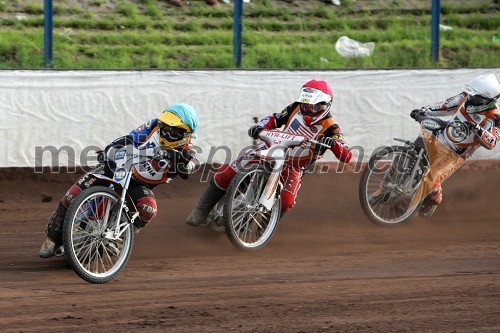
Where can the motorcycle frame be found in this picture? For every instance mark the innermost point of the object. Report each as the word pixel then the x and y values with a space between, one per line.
pixel 419 158
pixel 125 161
pixel 278 145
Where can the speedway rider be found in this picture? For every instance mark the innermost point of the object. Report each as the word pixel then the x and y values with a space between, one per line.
pixel 169 136
pixel 476 110
pixel 309 116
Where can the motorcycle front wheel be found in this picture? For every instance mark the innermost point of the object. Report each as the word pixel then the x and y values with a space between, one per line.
pixel 249 225
pixel 89 246
pixel 388 186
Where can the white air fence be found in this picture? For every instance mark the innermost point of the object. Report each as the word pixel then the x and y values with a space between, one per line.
pixel 73 112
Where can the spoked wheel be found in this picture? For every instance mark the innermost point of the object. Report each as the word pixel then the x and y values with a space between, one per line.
pixel 89 245
pixel 389 184
pixel 248 225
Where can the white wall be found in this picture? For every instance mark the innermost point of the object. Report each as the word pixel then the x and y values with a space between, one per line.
pixel 78 109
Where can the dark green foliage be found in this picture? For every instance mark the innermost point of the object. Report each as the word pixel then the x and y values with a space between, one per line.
pixel 277 34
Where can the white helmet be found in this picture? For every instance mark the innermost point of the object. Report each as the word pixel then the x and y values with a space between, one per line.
pixel 483 92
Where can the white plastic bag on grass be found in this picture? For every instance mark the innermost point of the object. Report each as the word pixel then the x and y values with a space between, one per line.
pixel 443 27
pixel 351 48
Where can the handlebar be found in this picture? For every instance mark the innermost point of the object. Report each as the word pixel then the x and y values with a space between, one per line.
pixel 430 122
pixel 141 155
pixel 274 137
pixel 316 142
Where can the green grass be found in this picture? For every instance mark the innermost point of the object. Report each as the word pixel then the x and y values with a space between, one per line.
pixel 277 34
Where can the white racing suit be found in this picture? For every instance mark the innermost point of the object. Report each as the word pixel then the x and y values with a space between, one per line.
pixel 458 136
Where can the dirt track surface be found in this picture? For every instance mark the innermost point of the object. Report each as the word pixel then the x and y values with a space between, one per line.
pixel 327 269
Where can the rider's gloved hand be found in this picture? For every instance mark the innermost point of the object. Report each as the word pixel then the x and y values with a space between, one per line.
pixel 417 113
pixel 327 141
pixel 101 157
pixel 187 163
pixel 324 143
pixel 171 155
pixel 473 127
pixel 188 154
pixel 183 161
pixel 254 131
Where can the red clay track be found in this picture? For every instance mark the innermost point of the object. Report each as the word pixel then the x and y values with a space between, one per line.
pixel 328 269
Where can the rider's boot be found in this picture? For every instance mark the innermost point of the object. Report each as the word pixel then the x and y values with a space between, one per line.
pixel 427 209
pixel 138 225
pixel 52 243
pixel 208 200
pixel 47 249
pixel 430 203
pixel 136 230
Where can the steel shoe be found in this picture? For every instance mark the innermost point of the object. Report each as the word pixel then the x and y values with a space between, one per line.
pixel 427 209
pixel 47 249
pixel 208 200
pixel 196 218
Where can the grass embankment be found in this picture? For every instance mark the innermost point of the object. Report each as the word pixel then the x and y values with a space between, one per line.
pixel 148 34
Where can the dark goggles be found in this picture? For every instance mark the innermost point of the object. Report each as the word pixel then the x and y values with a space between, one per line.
pixel 171 133
pixel 478 100
pixel 314 108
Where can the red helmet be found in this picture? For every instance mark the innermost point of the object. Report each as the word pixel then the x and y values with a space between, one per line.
pixel 315 100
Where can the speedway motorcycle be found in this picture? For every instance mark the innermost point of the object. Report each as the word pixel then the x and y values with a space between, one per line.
pixel 98 230
pixel 250 210
pixel 390 186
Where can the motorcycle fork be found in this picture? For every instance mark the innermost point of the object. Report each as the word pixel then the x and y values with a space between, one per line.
pixel 268 196
pixel 409 179
pixel 122 206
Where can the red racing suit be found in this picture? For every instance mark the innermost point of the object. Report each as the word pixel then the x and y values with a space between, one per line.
pixel 299 157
